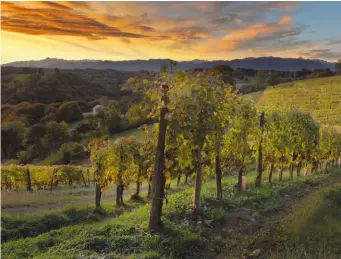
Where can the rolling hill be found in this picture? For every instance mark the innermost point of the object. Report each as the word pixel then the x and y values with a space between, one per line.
pixel 260 63
pixel 320 96
pixel 48 85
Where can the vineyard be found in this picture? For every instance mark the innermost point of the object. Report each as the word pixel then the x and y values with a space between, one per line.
pixel 282 147
pixel 42 177
pixel 321 97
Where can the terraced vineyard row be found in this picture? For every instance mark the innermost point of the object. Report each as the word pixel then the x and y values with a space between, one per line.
pixel 29 176
pixel 321 97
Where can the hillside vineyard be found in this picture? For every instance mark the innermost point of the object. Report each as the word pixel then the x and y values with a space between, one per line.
pixel 321 97
pixel 170 130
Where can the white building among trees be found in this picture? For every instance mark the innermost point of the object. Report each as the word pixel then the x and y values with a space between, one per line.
pixel 97 109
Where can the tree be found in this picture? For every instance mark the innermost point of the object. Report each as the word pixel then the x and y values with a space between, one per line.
pixel 67 152
pixel 69 112
pixel 110 119
pixel 40 72
pixel 273 79
pixel 56 134
pixel 98 151
pixel 120 165
pixel 338 67
pixel 12 136
pixel 34 139
pixel 172 64
pixel 259 81
pixel 276 140
pixel 222 117
pixel 137 114
pixel 113 163
pixel 142 156
pixel 164 68
pixel 196 101
pixel 236 147
pixel 304 133
pixel 225 72
pixel 329 149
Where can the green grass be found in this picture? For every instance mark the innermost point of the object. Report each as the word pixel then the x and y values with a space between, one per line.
pixel 66 194
pixel 33 224
pixel 41 197
pixel 184 236
pixel 33 216
pixel 255 96
pixel 313 230
pixel 138 133
pixel 74 124
pixel 301 223
pixel 321 97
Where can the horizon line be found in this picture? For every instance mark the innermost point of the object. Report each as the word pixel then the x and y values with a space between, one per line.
pixel 191 60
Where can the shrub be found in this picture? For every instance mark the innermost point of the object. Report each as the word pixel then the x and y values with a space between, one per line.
pixel 110 119
pixel 84 106
pixel 12 136
pixel 70 111
pixel 26 112
pixel 33 140
pixel 56 134
pixel 66 153
pixel 24 157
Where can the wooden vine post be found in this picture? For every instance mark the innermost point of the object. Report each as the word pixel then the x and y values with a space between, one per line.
pixel 28 179
pixel 260 152
pixel 158 179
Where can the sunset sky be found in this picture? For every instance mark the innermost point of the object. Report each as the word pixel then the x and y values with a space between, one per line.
pixel 176 30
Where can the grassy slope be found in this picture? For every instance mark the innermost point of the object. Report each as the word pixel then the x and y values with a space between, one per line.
pixel 305 223
pixel 42 212
pixel 321 97
pixel 136 133
pixel 313 229
pixel 184 237
pixel 255 96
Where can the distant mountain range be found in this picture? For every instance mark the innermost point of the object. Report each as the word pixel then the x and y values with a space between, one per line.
pixel 262 63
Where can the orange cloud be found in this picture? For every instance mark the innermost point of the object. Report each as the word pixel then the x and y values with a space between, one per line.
pixel 251 32
pixel 50 18
pixel 76 4
pixel 177 5
pixel 177 29
pixel 56 22
pixel 46 4
pixel 239 38
pixel 284 4
pixel 187 33
pixel 285 20
pixel 202 5
pixel 238 20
